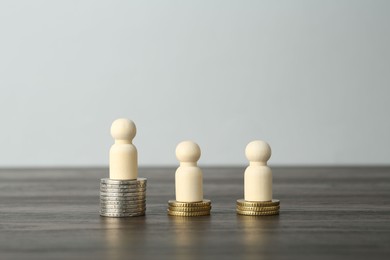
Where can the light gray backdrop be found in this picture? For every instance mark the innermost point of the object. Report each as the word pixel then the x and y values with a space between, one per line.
pixel 310 77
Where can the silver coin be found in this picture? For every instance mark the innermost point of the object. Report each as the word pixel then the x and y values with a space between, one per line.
pixel 113 186
pixel 122 194
pixel 127 198
pixel 122 202
pixel 123 182
pixel 122 190
pixel 122 207
pixel 134 206
pixel 123 210
pixel 130 187
pixel 123 198
pixel 122 215
pixel 136 209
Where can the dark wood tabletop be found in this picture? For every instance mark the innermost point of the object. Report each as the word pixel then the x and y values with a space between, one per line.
pixel 326 213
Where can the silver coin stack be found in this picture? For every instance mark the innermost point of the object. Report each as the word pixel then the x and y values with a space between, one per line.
pixel 122 198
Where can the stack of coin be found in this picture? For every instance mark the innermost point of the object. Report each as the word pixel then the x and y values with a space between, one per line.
pixel 122 198
pixel 189 209
pixel 258 208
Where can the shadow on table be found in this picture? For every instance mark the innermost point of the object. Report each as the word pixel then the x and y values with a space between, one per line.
pixel 189 236
pixel 258 234
pixel 123 235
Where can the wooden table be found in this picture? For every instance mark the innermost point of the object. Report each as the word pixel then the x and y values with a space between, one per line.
pixel 326 213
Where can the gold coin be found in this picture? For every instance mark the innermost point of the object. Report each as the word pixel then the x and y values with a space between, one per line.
pixel 174 203
pixel 189 214
pixel 247 203
pixel 189 209
pixel 269 208
pixel 257 213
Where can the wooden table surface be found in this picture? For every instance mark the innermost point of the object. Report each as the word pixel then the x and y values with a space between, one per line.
pixel 326 213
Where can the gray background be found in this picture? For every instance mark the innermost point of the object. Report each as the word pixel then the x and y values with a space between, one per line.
pixel 310 77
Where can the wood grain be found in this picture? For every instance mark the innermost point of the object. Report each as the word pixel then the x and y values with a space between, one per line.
pixel 326 213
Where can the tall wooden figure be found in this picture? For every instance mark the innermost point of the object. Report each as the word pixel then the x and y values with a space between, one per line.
pixel 188 184
pixel 258 176
pixel 258 183
pixel 123 194
pixel 123 154
pixel 188 176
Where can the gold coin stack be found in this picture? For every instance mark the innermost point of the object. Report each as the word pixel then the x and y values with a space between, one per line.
pixel 189 209
pixel 258 208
